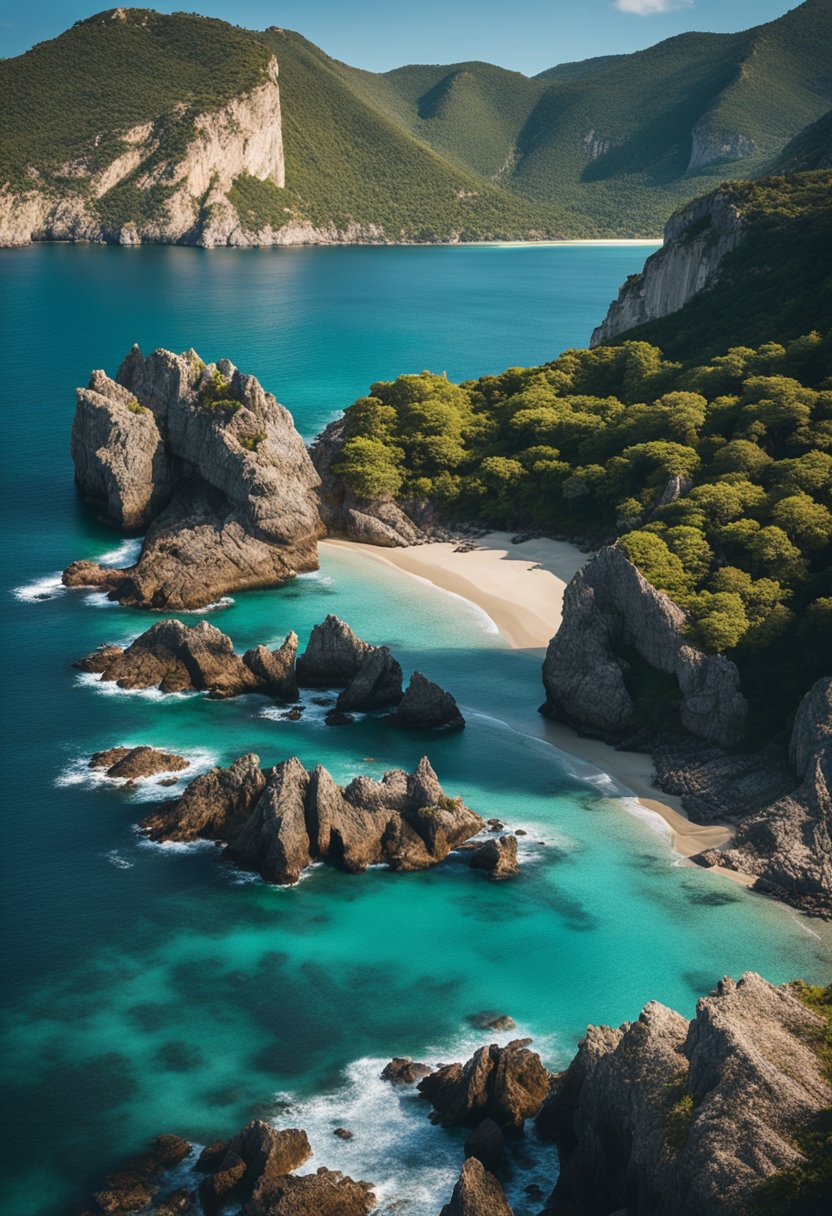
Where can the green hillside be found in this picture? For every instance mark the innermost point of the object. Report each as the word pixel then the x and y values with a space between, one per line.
pixel 811 148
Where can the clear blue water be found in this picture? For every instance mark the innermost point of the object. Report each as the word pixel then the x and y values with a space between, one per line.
pixel 152 989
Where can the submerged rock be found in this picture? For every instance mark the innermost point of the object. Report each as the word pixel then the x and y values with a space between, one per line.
pixel 506 1084
pixel 132 763
pixel 403 1071
pixel 498 857
pixel 426 705
pixel 277 824
pixel 477 1193
pixel 210 463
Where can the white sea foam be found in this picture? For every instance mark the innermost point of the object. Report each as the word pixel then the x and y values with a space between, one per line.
pixel 315 576
pixel 109 688
pixel 314 715
pixel 125 554
pixel 171 846
pixel 144 789
pixel 48 588
pixel 225 601
pixel 115 859
pixel 100 599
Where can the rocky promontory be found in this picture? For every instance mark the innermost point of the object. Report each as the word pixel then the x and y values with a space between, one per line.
pixel 279 822
pixel 695 1118
pixel 210 464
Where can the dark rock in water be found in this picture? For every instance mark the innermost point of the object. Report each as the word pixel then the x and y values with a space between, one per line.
pixel 100 659
pixel 333 655
pixel 694 1114
pixel 426 705
pixel 136 1184
pixel 492 1021
pixel 498 857
pixel 210 464
pixel 276 668
pixel 378 682
pixel 278 824
pixel 342 1133
pixel 251 1161
pixel 487 1144
pixel 215 805
pixel 167 781
pixel 326 1193
pixel 131 763
pixel 507 1084
pixel 496 825
pixel 477 1193
pixel 336 718
pixel 403 1071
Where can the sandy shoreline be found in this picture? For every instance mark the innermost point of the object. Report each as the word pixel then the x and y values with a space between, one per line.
pixel 520 587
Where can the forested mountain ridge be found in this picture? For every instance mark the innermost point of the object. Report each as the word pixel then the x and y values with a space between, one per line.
pixel 121 129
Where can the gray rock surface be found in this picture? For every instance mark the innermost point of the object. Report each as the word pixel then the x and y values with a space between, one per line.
pixel 506 1084
pixel 376 683
pixel 279 823
pixel 426 705
pixel 497 856
pixel 276 668
pixel 686 1118
pixel 210 463
pixel 608 606
pixel 333 655
pixel 477 1193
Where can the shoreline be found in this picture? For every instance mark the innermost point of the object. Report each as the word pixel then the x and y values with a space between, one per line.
pixel 520 588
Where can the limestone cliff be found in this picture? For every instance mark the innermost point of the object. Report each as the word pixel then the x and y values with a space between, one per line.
pixel 609 608
pixel 686 1118
pixel 186 191
pixel 210 463
pixel 697 238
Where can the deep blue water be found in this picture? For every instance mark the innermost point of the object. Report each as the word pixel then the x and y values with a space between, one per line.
pixel 152 989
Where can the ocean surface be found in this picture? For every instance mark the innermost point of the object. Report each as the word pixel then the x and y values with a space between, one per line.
pixel 154 989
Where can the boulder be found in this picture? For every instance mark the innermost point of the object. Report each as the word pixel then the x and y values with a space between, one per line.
pixel 275 669
pixel 487 1144
pixel 477 1193
pixel 133 763
pixel 325 1193
pixel 274 840
pixel 507 1084
pixel 215 805
pixel 497 856
pixel 332 657
pixel 486 1020
pixel 403 1071
pixel 136 1184
pixel 426 705
pixel 253 1159
pixel 376 683
pixel 210 464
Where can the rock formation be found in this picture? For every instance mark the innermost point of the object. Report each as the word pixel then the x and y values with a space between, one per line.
pixel 686 1118
pixel 213 467
pixel 477 1193
pixel 403 1071
pixel 335 656
pixel 498 856
pixel 136 1185
pixel 132 763
pixel 426 705
pixel 697 238
pixel 506 1084
pixel 609 606
pixel 487 1144
pixel 278 823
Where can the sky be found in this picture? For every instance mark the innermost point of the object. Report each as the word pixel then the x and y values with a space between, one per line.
pixel 525 35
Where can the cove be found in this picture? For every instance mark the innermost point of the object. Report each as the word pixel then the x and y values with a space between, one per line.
pixel 154 989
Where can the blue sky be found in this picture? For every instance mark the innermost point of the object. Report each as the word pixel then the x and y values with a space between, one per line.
pixel 527 35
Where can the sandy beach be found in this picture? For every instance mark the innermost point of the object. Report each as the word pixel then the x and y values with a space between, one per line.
pixel 520 587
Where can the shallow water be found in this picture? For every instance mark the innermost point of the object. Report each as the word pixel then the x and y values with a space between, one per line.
pixel 154 988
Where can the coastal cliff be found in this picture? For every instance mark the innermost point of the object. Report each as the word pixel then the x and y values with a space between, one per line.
pixel 697 238
pixel 210 463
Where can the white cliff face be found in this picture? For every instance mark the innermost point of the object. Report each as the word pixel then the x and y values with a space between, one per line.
pixel 697 239
pixel 243 137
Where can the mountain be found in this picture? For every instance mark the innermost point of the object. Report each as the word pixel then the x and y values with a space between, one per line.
pixel 136 126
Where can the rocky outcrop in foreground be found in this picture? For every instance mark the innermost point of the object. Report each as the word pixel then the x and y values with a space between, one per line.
pixel 253 1172
pixel 680 1118
pixel 697 238
pixel 277 823
pixel 201 658
pixel 210 464
pixel 506 1085
pixel 609 607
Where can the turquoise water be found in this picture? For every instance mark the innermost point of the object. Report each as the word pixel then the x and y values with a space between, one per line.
pixel 154 989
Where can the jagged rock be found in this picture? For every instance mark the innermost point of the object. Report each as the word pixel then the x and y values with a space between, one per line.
pixel 278 825
pixel 498 857
pixel 131 763
pixel 788 844
pixel 507 1084
pixel 403 1071
pixel 276 668
pixel 377 682
pixel 487 1144
pixel 693 1116
pixel 343 1133
pixel 336 657
pixel 215 805
pixel 135 1185
pixel 426 705
pixel 609 604
pixel 477 1193
pixel 251 1161
pixel 326 1193
pixel 212 465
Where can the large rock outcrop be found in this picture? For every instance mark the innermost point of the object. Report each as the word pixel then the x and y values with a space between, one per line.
pixel 426 706
pixel 788 844
pixel 336 657
pixel 680 1118
pixel 278 823
pixel 506 1084
pixel 697 238
pixel 210 464
pixel 132 764
pixel 477 1193
pixel 609 607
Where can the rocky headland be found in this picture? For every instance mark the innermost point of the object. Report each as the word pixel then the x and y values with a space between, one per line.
pixel 209 464
pixel 279 822
pixel 778 796
pixel 174 657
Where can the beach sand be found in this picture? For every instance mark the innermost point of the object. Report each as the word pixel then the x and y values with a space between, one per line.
pixel 520 587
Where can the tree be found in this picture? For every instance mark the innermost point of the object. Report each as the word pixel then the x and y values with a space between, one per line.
pixel 720 620
pixel 370 467
pixel 656 562
pixel 806 522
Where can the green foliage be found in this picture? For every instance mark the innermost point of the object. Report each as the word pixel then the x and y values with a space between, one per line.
pixel 135 408
pixel 252 442
pixel 679 1120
